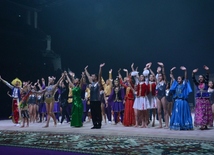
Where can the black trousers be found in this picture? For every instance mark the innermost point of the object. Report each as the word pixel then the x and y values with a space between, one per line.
pixel 96 113
pixel 65 113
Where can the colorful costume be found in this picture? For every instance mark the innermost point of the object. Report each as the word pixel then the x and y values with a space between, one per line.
pixel 116 99
pixel 129 117
pixel 181 118
pixel 77 109
pixel 141 101
pixel 16 95
pixel 203 108
pixel 152 95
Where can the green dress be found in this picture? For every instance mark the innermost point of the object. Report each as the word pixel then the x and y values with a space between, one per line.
pixel 77 109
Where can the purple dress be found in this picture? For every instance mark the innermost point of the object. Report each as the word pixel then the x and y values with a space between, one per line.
pixel 203 107
pixel 116 100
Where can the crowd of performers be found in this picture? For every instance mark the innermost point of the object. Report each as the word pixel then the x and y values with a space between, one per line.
pixel 136 100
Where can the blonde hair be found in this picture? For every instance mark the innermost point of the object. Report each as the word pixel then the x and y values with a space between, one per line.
pixel 15 81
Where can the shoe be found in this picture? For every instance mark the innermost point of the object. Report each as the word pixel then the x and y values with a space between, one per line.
pixel 93 127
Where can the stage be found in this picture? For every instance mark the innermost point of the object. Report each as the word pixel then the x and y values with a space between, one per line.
pixel 111 139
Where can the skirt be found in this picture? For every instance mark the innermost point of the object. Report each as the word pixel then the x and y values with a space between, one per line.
pixel 203 113
pixel 152 101
pixel 117 106
pixel 141 103
pixel 181 118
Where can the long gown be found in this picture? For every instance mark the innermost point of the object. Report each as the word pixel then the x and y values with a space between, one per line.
pixel 77 109
pixel 203 107
pixel 181 115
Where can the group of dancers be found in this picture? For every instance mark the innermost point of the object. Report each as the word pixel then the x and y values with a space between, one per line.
pixel 135 100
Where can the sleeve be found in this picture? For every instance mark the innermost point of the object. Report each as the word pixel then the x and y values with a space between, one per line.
pixel 206 78
pixel 9 85
pixel 194 80
pixel 173 86
pixel 121 82
pixel 187 88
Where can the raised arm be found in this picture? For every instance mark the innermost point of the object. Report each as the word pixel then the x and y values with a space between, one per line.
pixel 127 73
pixel 69 80
pixel 100 74
pixel 185 71
pixel 88 75
pixel 163 71
pixel 193 77
pixel 5 82
pixel 207 73
pixel 132 67
pixel 63 75
pixel 171 74
pixel 82 80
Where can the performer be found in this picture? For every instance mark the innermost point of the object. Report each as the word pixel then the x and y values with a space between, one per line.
pixel 141 103
pixel 95 103
pixel 86 104
pixel 161 96
pixel 56 108
pixel 49 99
pixel 24 110
pixel 203 109
pixel 169 99
pixel 152 93
pixel 16 95
pixel 32 100
pixel 117 99
pixel 64 89
pixel 40 100
pixel 107 107
pixel 129 117
pixel 181 115
pixel 77 109
pixel 211 93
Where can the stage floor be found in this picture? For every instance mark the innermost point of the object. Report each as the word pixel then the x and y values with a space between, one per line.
pixel 109 129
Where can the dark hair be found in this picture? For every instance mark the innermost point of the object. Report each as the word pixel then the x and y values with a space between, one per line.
pixel 96 75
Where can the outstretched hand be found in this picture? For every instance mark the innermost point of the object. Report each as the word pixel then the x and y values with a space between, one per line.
pixel 110 71
pixel 86 67
pixel 161 64
pixel 158 69
pixel 148 65
pixel 195 70
pixel 173 68
pixel 183 68
pixel 103 64
pixel 119 70
pixel 125 70
pixel 206 68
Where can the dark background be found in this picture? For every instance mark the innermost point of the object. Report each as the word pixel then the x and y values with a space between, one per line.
pixel 117 32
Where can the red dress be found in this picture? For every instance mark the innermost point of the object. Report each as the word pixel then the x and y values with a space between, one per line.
pixel 129 118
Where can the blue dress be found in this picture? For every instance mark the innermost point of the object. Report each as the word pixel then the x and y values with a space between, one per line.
pixel 181 115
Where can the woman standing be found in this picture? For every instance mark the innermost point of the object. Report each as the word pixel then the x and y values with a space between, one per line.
pixel 129 118
pixel 141 102
pixel 161 95
pixel 211 92
pixel 77 109
pixel 49 92
pixel 116 99
pixel 203 109
pixel 181 115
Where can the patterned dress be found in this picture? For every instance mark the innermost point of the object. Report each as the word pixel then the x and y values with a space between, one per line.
pixel 181 118
pixel 203 108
